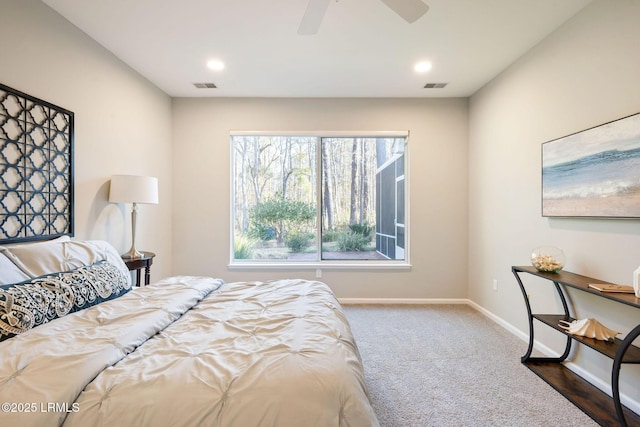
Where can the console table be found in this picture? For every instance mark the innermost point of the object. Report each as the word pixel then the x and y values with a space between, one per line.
pixel 598 405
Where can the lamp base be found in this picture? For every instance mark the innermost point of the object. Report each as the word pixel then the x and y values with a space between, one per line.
pixel 133 253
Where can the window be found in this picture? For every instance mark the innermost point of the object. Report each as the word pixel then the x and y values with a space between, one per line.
pixel 321 199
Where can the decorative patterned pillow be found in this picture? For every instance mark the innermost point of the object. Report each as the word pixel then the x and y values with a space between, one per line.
pixel 31 303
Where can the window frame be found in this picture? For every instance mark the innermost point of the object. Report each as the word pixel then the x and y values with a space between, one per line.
pixel 319 264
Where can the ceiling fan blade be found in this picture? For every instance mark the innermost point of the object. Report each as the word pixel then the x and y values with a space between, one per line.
pixel 409 10
pixel 313 17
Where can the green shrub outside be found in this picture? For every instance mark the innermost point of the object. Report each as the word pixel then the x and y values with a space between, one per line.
pixel 243 247
pixel 298 241
pixel 350 241
pixel 330 236
pixel 363 229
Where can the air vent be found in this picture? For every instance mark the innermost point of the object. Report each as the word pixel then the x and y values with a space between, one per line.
pixel 205 85
pixel 435 85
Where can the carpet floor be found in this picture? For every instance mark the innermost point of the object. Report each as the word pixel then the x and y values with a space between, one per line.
pixel 449 365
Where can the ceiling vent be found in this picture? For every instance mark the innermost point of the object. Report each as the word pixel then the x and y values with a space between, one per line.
pixel 435 85
pixel 205 85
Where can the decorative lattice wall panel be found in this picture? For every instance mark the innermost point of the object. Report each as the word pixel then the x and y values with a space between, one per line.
pixel 36 168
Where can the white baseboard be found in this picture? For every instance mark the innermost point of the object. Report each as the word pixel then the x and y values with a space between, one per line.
pixel 402 301
pixel 524 336
pixel 500 321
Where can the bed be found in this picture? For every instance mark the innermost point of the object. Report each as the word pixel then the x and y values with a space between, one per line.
pixel 81 347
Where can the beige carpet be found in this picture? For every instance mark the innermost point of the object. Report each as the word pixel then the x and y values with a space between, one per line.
pixel 448 365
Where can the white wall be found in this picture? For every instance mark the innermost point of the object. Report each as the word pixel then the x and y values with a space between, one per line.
pixel 438 186
pixel 122 122
pixel 584 74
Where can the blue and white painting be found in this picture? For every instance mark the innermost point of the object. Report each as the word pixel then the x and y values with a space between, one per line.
pixel 594 173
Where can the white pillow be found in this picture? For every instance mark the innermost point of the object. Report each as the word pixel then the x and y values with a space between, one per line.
pixel 41 242
pixel 54 256
pixel 9 272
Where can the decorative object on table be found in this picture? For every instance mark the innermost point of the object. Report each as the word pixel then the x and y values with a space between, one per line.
pixel 593 173
pixel 608 287
pixel 636 282
pixel 36 161
pixel 133 189
pixel 548 259
pixel 589 328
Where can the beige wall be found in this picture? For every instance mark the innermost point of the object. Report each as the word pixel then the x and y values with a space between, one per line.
pixel 584 74
pixel 122 122
pixel 437 174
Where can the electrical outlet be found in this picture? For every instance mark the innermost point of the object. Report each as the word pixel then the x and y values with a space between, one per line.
pixel 495 284
pixel 318 273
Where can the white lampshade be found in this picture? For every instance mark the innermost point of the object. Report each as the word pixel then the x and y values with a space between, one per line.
pixel 133 189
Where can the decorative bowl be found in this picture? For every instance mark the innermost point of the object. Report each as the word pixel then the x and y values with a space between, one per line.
pixel 548 259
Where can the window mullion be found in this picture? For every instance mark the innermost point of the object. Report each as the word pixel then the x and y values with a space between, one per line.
pixel 319 174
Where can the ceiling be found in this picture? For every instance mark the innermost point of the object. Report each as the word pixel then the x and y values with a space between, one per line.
pixel 362 49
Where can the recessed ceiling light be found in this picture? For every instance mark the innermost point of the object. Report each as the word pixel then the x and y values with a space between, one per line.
pixel 422 67
pixel 215 65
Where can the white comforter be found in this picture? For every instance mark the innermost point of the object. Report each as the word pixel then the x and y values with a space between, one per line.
pixel 189 352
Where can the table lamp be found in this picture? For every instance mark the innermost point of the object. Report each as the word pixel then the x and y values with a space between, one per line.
pixel 133 189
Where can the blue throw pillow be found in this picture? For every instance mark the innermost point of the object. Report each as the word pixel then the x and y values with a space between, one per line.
pixel 31 303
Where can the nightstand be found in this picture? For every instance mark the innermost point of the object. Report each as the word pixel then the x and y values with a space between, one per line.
pixel 138 264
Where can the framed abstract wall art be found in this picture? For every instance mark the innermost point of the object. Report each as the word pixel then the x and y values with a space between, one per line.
pixel 594 173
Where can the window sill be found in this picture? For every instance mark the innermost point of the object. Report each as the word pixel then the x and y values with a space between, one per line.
pixel 324 265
